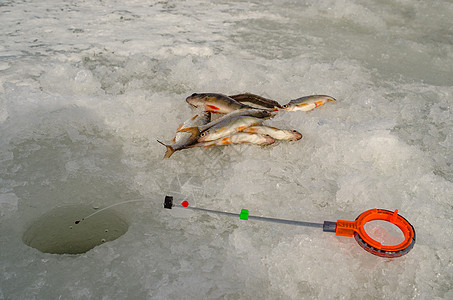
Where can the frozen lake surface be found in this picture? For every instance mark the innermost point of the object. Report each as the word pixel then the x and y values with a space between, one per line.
pixel 86 88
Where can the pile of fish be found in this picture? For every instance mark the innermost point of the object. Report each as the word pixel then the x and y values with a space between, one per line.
pixel 224 120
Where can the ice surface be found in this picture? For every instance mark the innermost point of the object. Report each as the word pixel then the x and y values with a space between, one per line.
pixel 87 87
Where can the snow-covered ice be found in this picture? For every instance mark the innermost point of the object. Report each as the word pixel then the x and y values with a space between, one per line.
pixel 86 88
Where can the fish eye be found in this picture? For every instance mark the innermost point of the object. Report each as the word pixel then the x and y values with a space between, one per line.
pixel 202 134
pixel 285 106
pixel 294 131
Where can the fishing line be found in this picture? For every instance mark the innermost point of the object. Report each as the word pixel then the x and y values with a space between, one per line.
pixel 110 206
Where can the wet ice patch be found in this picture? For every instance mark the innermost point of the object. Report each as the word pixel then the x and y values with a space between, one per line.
pixel 64 231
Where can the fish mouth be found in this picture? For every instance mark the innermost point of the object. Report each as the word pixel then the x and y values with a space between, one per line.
pixel 269 140
pixel 191 101
pixel 201 140
pixel 296 136
pixel 195 100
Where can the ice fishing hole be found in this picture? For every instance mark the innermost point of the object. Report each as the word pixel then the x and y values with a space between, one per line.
pixel 56 231
pixel 384 232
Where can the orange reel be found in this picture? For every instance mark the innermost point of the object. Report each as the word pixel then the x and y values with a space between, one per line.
pixel 356 229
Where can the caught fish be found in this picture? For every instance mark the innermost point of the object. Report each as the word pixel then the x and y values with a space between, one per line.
pixel 216 103
pixel 256 101
pixel 278 134
pixel 257 113
pixel 237 138
pixel 228 127
pixel 307 103
pixel 185 135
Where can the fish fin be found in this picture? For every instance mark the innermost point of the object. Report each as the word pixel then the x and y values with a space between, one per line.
pixel 257 100
pixel 193 130
pixel 195 133
pixel 319 103
pixel 179 128
pixel 169 152
pixel 214 108
pixel 225 141
pixel 250 130
pixel 301 104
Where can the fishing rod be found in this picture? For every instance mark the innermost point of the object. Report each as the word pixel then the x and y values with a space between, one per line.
pixel 340 227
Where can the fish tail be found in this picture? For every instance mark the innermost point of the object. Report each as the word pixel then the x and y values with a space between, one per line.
pixel 169 152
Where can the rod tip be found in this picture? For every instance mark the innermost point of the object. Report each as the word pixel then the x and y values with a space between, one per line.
pixel 168 202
